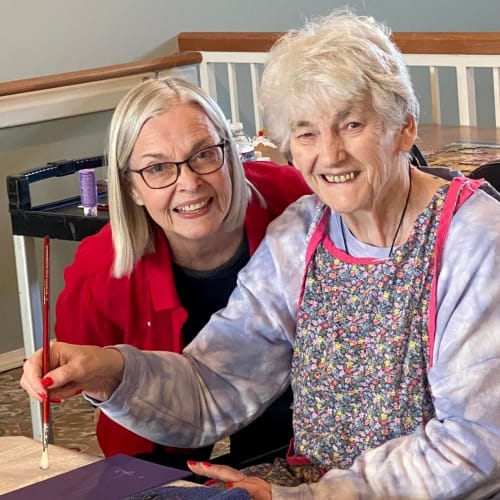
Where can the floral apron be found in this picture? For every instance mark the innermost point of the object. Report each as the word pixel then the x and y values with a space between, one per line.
pixel 364 343
pixel 361 354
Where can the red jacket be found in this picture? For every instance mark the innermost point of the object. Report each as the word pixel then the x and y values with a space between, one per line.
pixel 143 310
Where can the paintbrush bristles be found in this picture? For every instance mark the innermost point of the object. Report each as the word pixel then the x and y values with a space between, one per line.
pixel 44 461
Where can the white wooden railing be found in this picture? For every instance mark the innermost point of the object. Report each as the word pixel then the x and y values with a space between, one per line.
pixel 33 100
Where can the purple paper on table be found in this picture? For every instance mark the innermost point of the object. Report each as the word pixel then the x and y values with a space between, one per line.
pixel 112 478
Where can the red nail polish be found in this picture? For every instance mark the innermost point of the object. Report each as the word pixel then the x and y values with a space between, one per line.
pixel 55 400
pixel 43 395
pixel 191 462
pixel 78 391
pixel 206 464
pixel 47 382
pixel 229 485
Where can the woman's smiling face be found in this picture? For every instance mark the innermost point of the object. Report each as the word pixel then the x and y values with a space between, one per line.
pixel 195 206
pixel 346 155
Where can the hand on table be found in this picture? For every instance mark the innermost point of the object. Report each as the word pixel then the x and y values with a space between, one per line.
pixel 256 487
pixel 74 368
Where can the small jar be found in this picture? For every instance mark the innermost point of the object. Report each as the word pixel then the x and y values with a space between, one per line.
pixel 243 141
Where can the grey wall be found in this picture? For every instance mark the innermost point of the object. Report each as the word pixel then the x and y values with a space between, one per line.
pixel 53 36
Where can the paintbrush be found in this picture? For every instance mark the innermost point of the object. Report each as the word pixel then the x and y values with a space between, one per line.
pixel 44 462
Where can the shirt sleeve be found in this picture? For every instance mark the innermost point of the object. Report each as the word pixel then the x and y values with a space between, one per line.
pixel 237 365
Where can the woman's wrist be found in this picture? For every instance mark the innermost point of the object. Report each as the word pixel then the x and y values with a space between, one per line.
pixel 113 365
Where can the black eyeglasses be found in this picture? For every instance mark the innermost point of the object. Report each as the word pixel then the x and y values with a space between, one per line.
pixel 203 162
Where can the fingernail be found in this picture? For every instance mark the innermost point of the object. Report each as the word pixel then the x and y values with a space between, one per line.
pixel 47 382
pixel 211 482
pixel 78 391
pixel 191 462
pixel 55 400
pixel 229 485
pixel 43 395
pixel 206 464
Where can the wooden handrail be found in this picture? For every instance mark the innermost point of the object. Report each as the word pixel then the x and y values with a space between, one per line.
pixel 227 41
pixel 485 43
pixel 408 42
pixel 98 74
pixel 192 43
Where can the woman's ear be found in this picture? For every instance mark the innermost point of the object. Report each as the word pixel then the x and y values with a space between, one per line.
pixel 408 134
pixel 288 157
pixel 136 196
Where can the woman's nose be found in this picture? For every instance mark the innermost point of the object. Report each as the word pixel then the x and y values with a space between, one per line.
pixel 332 150
pixel 188 179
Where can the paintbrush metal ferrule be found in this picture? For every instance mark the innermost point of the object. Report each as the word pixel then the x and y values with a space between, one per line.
pixel 45 441
pixel 44 461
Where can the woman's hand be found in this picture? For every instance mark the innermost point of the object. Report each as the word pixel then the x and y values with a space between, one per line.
pixel 74 368
pixel 256 487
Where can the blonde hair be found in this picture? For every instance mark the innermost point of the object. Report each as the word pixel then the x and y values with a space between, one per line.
pixel 340 57
pixel 131 226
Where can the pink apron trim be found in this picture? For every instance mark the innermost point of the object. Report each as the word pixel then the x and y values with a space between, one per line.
pixel 299 460
pixel 320 234
pixel 316 237
pixel 460 190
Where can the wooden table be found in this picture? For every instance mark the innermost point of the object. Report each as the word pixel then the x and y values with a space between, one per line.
pixel 434 136
pixel 459 148
pixel 20 461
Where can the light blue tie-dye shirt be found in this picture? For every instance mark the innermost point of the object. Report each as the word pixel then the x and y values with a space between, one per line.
pixel 241 362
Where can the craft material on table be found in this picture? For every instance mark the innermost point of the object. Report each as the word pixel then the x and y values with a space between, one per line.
pixel 112 478
pixel 463 156
pixel 191 493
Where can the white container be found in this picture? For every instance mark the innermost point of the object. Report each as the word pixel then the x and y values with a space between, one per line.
pixel 243 141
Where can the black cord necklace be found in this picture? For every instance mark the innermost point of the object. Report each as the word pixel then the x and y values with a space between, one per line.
pixel 405 208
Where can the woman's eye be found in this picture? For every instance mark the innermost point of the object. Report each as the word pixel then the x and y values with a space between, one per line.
pixel 158 168
pixel 305 135
pixel 353 125
pixel 202 155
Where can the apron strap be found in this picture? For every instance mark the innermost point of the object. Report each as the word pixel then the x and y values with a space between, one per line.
pixel 460 190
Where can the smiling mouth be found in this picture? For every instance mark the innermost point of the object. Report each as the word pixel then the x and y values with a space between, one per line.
pixel 340 179
pixel 193 207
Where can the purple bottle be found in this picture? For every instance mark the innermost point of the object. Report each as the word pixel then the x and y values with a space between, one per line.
pixel 88 191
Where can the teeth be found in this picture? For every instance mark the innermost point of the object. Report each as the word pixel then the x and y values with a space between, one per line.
pixel 193 207
pixel 337 179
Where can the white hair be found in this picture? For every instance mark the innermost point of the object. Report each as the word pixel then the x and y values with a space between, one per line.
pixel 338 58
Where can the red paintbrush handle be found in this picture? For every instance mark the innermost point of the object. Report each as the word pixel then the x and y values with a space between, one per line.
pixel 46 305
pixel 46 411
pixel 46 325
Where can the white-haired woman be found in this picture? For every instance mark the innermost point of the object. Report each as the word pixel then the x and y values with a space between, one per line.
pixel 185 216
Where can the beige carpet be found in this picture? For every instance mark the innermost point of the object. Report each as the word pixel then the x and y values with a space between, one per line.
pixel 72 420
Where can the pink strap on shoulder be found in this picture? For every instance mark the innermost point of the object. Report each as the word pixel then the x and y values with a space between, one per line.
pixel 460 190
pixel 316 237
